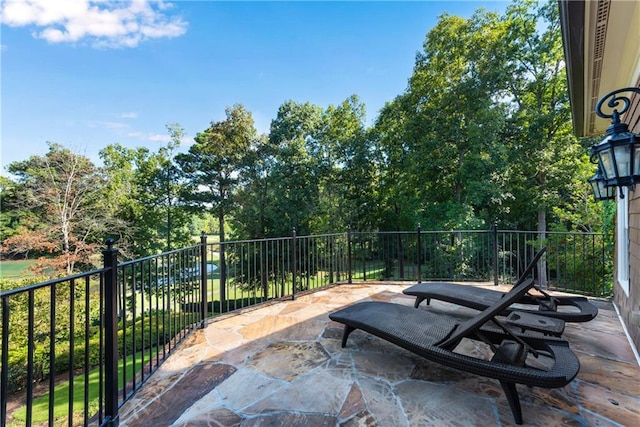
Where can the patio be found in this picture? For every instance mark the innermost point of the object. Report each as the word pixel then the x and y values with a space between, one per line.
pixel 281 364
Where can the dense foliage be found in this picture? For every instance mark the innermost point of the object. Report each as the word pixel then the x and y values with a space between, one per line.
pixel 482 133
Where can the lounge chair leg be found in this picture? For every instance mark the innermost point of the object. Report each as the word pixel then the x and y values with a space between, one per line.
pixel 419 300
pixel 514 401
pixel 347 330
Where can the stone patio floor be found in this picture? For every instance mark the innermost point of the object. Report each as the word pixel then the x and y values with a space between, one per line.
pixel 282 365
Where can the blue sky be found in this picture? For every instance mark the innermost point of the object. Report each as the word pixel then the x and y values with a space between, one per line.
pixel 87 74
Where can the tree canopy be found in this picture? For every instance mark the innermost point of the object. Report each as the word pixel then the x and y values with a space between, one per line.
pixel 482 133
pixel 63 213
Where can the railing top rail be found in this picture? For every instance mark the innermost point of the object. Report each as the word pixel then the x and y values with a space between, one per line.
pixel 421 232
pixel 576 233
pixel 361 233
pixel 579 233
pixel 150 257
pixel 235 242
pixel 51 282
pixel 270 239
pixel 311 236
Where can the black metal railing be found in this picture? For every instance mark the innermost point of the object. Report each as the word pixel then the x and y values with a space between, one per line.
pixel 574 262
pixel 423 255
pixel 248 272
pixel 51 332
pixel 91 340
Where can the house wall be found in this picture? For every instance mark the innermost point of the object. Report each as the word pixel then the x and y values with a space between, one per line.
pixel 630 305
pixel 603 54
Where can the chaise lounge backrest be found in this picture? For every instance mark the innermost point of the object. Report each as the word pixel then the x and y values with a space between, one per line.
pixel 531 266
pixel 470 326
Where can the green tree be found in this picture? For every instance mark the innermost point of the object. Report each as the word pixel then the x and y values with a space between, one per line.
pixel 125 203
pixel 144 190
pixel 293 181
pixel 347 176
pixel 63 190
pixel 440 138
pixel 280 188
pixel 166 186
pixel 399 202
pixel 544 155
pixel 251 217
pixel 545 158
pixel 214 165
pixel 12 218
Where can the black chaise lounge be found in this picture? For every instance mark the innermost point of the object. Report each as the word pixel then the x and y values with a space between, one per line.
pixel 435 336
pixel 569 309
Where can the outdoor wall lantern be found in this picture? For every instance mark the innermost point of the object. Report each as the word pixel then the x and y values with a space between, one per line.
pixel 618 153
pixel 600 190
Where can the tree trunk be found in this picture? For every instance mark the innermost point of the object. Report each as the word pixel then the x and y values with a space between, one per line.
pixel 542 234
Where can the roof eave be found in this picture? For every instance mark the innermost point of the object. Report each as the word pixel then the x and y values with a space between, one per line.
pixel 572 21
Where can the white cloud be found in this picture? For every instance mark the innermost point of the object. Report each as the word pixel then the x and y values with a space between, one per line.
pixel 101 23
pixel 154 137
pixel 114 125
pixel 129 115
pixel 158 137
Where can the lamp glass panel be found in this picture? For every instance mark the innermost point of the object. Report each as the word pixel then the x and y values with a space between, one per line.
pixel 604 192
pixel 602 188
pixel 595 185
pixel 636 159
pixel 606 160
pixel 623 160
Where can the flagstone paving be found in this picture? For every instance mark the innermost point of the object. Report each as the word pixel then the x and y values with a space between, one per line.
pixel 282 364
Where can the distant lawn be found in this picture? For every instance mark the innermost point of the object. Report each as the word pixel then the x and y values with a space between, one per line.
pixel 61 393
pixel 19 268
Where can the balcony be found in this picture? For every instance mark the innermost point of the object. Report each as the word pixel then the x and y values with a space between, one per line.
pixel 282 364
pixel 238 332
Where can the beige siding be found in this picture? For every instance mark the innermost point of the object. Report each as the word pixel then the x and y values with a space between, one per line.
pixel 632 302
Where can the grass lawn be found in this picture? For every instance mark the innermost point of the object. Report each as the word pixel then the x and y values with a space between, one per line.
pixel 61 394
pixel 19 268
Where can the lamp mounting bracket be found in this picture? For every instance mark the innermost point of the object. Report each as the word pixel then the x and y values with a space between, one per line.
pixel 613 102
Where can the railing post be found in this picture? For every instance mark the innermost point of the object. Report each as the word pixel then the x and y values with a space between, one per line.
pixel 294 261
pixel 349 277
pixel 419 255
pixel 110 261
pixel 203 279
pixel 223 276
pixel 400 254
pixel 542 263
pixel 495 252
pixel 363 246
pixel 4 375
